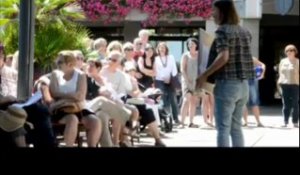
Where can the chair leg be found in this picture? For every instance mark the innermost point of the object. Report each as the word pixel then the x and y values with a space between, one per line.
pixel 79 139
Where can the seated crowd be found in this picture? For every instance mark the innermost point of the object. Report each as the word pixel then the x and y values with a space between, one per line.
pixel 97 91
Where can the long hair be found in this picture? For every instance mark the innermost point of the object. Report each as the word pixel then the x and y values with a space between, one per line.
pixel 149 46
pixel 228 13
pixel 162 44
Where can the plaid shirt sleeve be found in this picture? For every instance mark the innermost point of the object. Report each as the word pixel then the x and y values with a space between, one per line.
pixel 222 41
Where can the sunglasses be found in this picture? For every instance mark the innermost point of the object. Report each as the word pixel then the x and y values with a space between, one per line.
pixel 80 58
pixel 290 50
pixel 139 44
pixel 60 62
pixel 148 48
pixel 128 50
pixel 113 59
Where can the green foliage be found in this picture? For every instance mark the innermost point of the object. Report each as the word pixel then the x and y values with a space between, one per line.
pixel 54 29
pixel 52 39
pixel 9 36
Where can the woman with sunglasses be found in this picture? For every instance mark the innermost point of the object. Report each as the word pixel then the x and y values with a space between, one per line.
pixel 289 84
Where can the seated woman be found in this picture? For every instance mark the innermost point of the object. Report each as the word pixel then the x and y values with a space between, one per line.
pixel 116 86
pixel 70 84
pixel 147 115
pixel 104 108
pixel 38 126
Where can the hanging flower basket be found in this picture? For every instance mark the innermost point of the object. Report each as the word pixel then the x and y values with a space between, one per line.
pixel 155 9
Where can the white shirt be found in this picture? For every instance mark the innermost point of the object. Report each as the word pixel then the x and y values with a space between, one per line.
pixel 118 80
pixel 289 71
pixel 164 67
pixel 69 86
pixel 9 81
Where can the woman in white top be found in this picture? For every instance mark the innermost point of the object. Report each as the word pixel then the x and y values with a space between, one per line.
pixel 165 67
pixel 70 84
pixel 289 83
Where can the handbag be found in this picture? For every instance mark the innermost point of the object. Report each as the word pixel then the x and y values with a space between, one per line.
pixel 67 106
pixel 174 82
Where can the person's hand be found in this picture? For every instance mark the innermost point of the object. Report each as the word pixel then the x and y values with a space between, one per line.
pixel 261 77
pixel 201 80
pixel 99 80
pixel 167 80
pixel 152 73
pixel 138 75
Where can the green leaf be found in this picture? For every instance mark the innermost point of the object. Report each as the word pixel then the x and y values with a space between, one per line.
pixel 71 14
pixel 4 22
pixel 8 3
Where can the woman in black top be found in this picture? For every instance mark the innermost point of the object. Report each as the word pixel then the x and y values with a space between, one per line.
pixel 145 67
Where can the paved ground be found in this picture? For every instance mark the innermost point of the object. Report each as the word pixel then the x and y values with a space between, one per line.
pixel 272 135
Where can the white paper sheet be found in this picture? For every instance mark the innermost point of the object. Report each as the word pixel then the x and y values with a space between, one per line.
pixel 33 99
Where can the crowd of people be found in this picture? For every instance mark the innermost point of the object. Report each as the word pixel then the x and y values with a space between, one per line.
pixel 117 88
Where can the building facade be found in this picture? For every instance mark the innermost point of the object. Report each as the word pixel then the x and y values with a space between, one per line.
pixel 273 24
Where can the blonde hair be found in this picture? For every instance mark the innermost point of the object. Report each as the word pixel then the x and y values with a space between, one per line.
pixel 136 40
pixel 78 53
pixel 98 43
pixel 127 46
pixel 68 57
pixel 291 47
pixel 114 45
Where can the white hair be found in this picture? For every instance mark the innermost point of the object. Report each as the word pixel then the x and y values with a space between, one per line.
pixel 144 32
pixel 98 43
pixel 127 45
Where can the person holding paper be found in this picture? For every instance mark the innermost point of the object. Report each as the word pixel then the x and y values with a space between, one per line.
pixel 233 67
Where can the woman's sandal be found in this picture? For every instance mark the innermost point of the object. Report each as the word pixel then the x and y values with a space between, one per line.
pixel 192 125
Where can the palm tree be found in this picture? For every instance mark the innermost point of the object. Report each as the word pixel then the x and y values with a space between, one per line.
pixel 55 29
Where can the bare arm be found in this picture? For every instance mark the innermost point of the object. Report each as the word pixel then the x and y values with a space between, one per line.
pixel 81 90
pixel 135 90
pixel 79 95
pixel 53 87
pixel 148 72
pixel 220 61
pixel 183 67
pixel 259 63
pixel 281 75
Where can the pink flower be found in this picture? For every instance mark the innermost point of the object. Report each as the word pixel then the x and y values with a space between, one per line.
pixel 95 9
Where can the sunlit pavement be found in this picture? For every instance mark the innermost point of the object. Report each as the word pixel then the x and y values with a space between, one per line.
pixel 272 135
